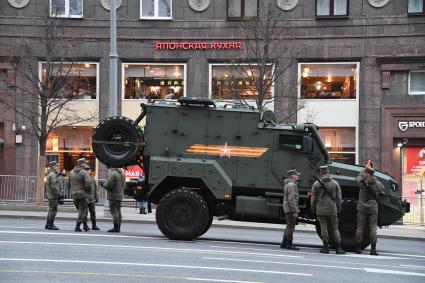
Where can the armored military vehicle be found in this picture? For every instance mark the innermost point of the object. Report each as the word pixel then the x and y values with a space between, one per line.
pixel 202 161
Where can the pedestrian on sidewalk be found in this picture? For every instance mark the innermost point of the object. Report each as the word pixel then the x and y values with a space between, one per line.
pixel 80 182
pixel 325 204
pixel 367 208
pixel 52 194
pixel 290 207
pixel 92 200
pixel 114 186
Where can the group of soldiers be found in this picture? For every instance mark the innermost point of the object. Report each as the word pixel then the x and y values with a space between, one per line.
pixel 84 191
pixel 326 201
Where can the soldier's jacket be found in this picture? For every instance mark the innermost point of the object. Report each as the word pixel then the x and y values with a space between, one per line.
pixel 290 197
pixel 52 186
pixel 114 184
pixel 366 203
pixel 80 182
pixel 321 202
pixel 62 183
pixel 94 195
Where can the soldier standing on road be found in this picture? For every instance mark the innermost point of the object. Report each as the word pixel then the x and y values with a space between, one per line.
pixel 92 200
pixel 114 185
pixel 52 194
pixel 325 204
pixel 367 208
pixel 290 207
pixel 80 189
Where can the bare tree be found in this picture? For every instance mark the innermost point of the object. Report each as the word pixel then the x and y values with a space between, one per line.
pixel 263 59
pixel 43 88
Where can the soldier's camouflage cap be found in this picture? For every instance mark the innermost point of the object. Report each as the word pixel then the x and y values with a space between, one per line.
pixel 369 170
pixel 53 163
pixel 323 167
pixel 82 160
pixel 292 172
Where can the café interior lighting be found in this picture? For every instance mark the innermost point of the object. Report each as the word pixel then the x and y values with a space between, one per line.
pixel 87 65
pixel 329 79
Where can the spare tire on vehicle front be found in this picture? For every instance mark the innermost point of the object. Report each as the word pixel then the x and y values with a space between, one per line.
pixel 117 142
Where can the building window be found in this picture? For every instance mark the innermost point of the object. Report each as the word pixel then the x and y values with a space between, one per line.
pixel 331 8
pixel 417 82
pixel 67 144
pixel 237 82
pixel 239 9
pixel 328 81
pixel 66 8
pixel 76 79
pixel 415 7
pixel 154 81
pixel 155 9
pixel 341 143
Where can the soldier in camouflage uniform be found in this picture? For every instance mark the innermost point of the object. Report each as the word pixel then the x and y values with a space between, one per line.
pixel 93 199
pixel 325 204
pixel 81 183
pixel 290 207
pixel 367 208
pixel 52 194
pixel 114 185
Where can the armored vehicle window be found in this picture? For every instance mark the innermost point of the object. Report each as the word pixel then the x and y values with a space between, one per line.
pixel 291 141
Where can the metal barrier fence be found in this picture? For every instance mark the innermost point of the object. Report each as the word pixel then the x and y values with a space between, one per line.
pixel 417 210
pixel 18 188
pixel 22 189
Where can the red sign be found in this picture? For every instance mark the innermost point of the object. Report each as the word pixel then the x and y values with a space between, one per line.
pixel 133 172
pixel 415 160
pixel 214 45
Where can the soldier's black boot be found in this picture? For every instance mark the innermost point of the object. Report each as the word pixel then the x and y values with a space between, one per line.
pixel 141 211
pixel 373 250
pixel 116 229
pixel 325 249
pixel 47 226
pixel 283 244
pixel 86 227
pixel 358 249
pixel 93 225
pixel 77 227
pixel 339 251
pixel 290 246
pixel 52 226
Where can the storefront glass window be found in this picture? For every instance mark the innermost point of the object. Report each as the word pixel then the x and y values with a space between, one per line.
pixel 154 81
pixel 78 79
pixel 341 143
pixel 237 82
pixel 328 81
pixel 67 144
pixel 417 82
pixel 160 9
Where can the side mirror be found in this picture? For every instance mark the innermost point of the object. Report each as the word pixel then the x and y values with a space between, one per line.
pixel 307 144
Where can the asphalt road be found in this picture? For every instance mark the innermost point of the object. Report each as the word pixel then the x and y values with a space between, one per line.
pixel 140 253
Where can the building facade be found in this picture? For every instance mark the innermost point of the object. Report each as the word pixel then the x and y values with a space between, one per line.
pixel 359 70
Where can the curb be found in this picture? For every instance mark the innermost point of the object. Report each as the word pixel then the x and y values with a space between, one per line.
pixel 215 225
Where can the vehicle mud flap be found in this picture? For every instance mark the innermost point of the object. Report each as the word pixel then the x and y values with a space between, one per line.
pixel 117 142
pixel 182 214
pixel 347 219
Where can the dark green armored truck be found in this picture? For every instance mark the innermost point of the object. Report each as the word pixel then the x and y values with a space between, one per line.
pixel 202 161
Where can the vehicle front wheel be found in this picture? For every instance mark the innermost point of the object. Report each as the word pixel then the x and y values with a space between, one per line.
pixel 182 214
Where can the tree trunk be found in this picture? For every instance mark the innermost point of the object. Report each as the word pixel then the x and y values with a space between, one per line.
pixel 40 179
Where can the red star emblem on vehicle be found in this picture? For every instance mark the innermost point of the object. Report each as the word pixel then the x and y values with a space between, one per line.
pixel 225 151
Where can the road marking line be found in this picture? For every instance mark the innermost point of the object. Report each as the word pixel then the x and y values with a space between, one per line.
pixel 81 235
pixel 407 255
pixel 156 265
pixel 385 271
pixel 279 262
pixel 412 266
pixel 150 248
pixel 125 275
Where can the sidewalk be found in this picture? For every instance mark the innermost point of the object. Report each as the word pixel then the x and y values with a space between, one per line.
pixel 130 214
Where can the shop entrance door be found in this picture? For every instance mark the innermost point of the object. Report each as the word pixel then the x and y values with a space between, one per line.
pixel 413 183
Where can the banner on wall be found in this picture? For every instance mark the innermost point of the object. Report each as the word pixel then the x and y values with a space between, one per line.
pixel 415 160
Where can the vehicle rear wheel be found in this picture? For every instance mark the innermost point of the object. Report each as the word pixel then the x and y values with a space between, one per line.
pixel 125 142
pixel 182 215
pixel 347 225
